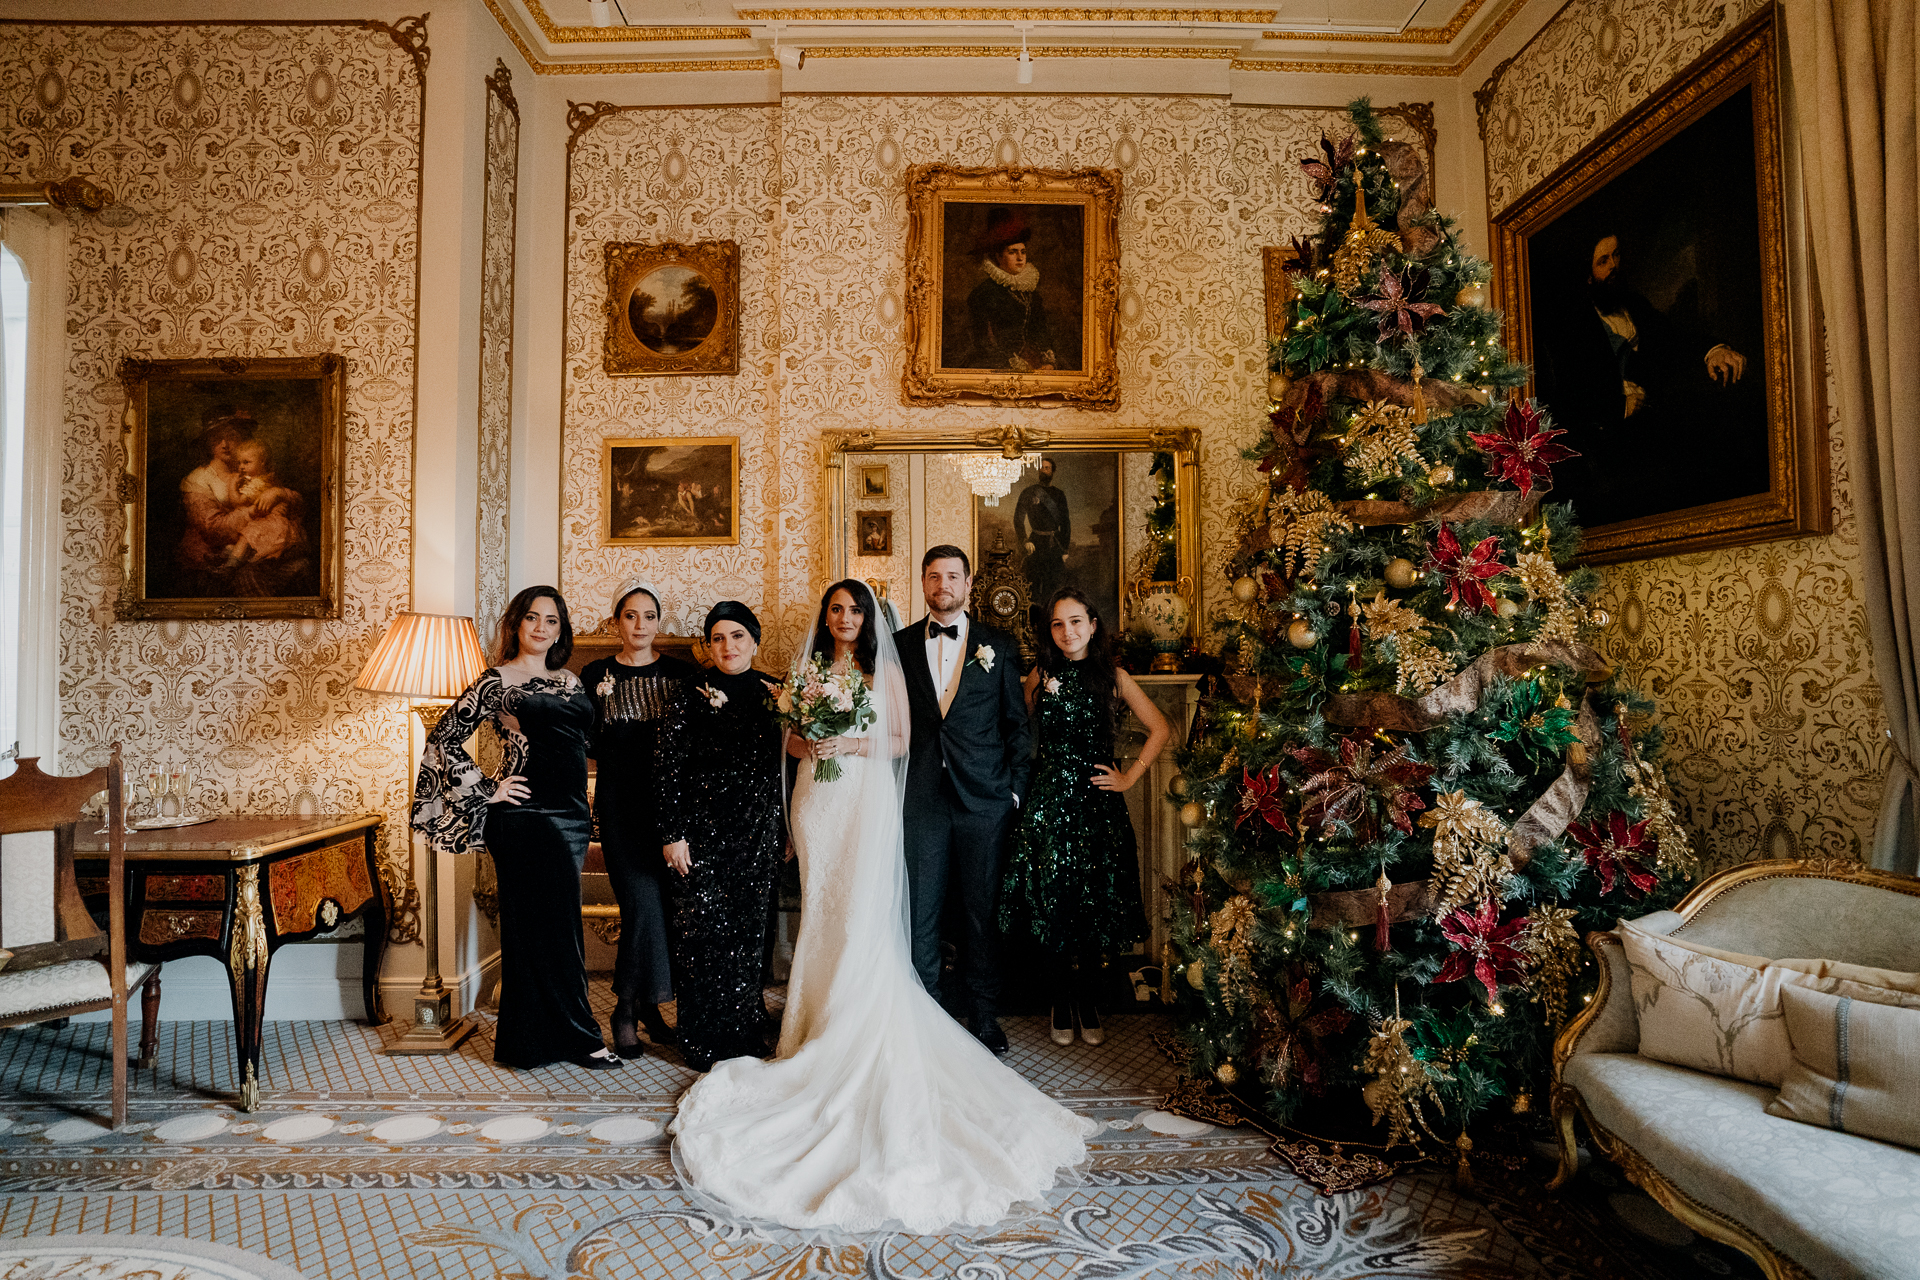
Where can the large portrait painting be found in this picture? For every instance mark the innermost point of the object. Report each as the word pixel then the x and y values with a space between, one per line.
pixel 1062 522
pixel 233 488
pixel 1012 287
pixel 673 308
pixel 672 491
pixel 1646 284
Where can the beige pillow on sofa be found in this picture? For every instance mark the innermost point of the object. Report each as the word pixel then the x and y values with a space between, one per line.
pixel 1855 1068
pixel 1719 1011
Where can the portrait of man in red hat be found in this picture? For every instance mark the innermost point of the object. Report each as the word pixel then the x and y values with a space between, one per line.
pixel 1011 296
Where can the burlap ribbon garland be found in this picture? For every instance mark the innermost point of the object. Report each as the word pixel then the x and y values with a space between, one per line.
pixel 1501 506
pixel 1546 819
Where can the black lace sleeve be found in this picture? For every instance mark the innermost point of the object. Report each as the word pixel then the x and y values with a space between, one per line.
pixel 672 792
pixel 450 795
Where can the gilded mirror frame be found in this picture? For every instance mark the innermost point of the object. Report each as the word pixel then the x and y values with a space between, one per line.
pixel 1182 442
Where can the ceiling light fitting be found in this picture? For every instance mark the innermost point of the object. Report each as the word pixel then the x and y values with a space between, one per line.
pixel 992 475
pixel 1023 72
pixel 600 12
pixel 789 57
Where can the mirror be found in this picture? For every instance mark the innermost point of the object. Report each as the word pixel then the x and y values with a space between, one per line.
pixel 1112 512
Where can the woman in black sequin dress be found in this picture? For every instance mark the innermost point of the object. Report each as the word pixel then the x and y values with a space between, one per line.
pixel 534 821
pixel 634 692
pixel 719 777
pixel 1073 867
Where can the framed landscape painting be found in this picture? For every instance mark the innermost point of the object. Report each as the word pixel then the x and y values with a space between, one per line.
pixel 1013 278
pixel 673 308
pixel 232 488
pixel 1646 284
pixel 671 491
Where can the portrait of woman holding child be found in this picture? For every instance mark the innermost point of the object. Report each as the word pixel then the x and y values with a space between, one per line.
pixel 233 486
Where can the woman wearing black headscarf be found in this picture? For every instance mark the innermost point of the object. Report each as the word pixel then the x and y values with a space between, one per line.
pixel 719 774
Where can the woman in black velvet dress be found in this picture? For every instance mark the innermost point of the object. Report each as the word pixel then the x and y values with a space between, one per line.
pixel 719 776
pixel 534 821
pixel 634 692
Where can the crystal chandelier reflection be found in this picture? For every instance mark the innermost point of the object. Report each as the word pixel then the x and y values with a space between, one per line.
pixel 991 475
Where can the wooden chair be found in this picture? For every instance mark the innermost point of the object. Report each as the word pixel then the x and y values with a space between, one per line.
pixel 82 969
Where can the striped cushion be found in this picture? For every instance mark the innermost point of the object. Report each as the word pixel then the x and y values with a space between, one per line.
pixel 59 985
pixel 1856 1066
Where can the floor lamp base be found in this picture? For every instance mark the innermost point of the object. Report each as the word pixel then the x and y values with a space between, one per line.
pixel 433 1031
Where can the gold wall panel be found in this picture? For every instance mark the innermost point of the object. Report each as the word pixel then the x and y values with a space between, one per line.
pixel 266 203
pixel 1756 655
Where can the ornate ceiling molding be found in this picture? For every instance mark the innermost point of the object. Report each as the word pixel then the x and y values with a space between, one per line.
pixel 942 31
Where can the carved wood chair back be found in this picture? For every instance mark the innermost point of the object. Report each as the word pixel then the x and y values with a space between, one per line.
pixel 42 981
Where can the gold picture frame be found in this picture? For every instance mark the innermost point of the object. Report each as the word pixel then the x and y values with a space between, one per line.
pixel 1730 465
pixel 670 491
pixel 232 488
pixel 875 533
pixel 672 309
pixel 876 482
pixel 1051 336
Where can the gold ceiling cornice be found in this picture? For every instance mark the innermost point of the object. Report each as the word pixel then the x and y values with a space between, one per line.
pixel 1244 17
pixel 558 34
pixel 1013 51
pixel 1236 54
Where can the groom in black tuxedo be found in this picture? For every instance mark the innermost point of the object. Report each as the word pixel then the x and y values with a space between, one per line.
pixel 968 768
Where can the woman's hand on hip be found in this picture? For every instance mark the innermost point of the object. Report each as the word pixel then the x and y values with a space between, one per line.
pixel 678 856
pixel 512 790
pixel 1108 778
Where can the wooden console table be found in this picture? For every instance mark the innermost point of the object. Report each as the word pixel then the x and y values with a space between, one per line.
pixel 237 889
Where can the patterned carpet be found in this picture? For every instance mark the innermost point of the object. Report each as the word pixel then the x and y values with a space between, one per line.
pixel 362 1165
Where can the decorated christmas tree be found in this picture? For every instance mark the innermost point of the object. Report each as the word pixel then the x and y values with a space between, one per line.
pixel 1420 785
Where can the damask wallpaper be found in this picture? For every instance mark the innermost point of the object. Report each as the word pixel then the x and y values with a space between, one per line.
pixel 499 222
pixel 266 203
pixel 1757 655
pixel 813 190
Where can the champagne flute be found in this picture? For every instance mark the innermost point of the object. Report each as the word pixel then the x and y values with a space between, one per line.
pixel 156 788
pixel 177 783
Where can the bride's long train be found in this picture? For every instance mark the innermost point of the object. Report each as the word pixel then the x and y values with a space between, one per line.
pixel 879 1112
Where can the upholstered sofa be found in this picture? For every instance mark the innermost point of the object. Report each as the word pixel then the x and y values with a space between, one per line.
pixel 1802 1200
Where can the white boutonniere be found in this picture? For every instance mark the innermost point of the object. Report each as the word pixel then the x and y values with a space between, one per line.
pixel 1053 684
pixel 605 688
pixel 715 698
pixel 984 656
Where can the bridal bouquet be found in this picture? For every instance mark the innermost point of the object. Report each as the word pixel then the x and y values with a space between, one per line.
pixel 816 704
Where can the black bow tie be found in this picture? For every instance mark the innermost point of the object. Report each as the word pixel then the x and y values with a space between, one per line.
pixel 935 629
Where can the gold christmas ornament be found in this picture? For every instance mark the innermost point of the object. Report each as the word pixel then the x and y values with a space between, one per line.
pixel 1507 609
pixel 1301 635
pixel 1245 589
pixel 1442 474
pixel 1469 851
pixel 1191 814
pixel 1232 940
pixel 1522 1103
pixel 1179 785
pixel 1380 437
pixel 1599 617
pixel 1399 573
pixel 1400 1082
pixel 1197 975
pixel 1364 239
pixel 1226 1073
pixel 1399 635
pixel 1473 295
pixel 1297 524
pixel 1278 385
pixel 1552 947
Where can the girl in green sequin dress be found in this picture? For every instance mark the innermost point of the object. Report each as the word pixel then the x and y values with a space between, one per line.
pixel 1073 866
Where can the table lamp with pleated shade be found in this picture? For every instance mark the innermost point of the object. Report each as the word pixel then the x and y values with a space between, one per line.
pixel 424 655
pixel 430 658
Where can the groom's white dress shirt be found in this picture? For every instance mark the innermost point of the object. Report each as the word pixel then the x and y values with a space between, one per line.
pixel 943 659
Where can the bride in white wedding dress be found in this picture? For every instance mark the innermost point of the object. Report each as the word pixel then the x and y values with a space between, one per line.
pixel 878 1111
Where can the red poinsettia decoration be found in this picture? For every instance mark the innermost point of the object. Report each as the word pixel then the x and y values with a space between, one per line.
pixel 1337 155
pixel 1466 572
pixel 1396 307
pixel 1362 787
pixel 1617 847
pixel 1522 450
pixel 1483 947
pixel 1260 798
pixel 1290 1032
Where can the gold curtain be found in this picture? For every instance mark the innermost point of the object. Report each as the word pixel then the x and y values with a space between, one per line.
pixel 1855 66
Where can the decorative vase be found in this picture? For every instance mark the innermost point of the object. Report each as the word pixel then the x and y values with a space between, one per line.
pixel 1164 611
